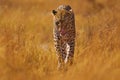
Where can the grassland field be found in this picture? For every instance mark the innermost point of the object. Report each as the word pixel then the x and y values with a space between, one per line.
pixel 27 49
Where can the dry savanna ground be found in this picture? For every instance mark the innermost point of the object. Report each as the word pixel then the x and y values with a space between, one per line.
pixel 26 41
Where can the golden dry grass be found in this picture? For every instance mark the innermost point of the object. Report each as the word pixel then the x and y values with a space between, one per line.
pixel 26 43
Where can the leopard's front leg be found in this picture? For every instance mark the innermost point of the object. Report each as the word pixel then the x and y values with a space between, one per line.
pixel 70 52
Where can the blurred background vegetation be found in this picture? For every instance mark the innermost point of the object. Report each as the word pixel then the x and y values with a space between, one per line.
pixel 26 41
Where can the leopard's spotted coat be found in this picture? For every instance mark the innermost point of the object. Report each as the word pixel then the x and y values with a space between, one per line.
pixel 64 34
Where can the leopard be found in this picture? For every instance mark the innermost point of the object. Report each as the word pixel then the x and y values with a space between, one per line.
pixel 64 34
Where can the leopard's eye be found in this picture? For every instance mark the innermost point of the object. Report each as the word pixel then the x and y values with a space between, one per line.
pixel 57 23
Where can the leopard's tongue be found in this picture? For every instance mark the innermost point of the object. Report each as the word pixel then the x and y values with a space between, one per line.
pixel 62 32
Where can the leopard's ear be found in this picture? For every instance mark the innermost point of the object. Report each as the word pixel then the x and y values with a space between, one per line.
pixel 68 8
pixel 71 10
pixel 54 12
